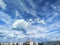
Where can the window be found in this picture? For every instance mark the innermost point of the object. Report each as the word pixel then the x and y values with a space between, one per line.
pixel 40 43
pixel 13 44
pixel 59 42
pixel 16 43
pixel 54 44
pixel 26 44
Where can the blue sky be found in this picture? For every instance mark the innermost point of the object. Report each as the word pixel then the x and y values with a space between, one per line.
pixel 36 20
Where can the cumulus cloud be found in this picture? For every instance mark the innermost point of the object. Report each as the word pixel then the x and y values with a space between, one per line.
pixel 30 29
pixel 27 24
pixel 21 24
pixel 36 31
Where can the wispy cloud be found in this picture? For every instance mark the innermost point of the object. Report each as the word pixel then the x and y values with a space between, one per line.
pixel 2 4
pixel 5 17
pixel 31 3
pixel 46 25
pixel 10 34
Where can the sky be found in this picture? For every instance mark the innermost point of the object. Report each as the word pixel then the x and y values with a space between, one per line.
pixel 35 20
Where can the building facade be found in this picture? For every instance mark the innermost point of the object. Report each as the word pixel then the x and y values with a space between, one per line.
pixel 52 43
pixel 32 43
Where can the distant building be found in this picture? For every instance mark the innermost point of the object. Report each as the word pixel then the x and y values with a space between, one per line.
pixel 32 43
pixel 52 43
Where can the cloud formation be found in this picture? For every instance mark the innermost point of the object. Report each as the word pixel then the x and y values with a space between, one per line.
pixel 37 31
pixel 37 21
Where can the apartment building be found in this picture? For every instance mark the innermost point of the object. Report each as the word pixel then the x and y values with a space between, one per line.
pixel 52 43
pixel 32 43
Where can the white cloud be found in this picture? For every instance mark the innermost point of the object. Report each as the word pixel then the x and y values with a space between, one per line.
pixel 21 36
pixel 37 31
pixel 31 30
pixel 26 9
pixel 21 24
pixel 23 7
pixel 11 34
pixel 56 14
pixel 17 13
pixel 43 22
pixel 51 34
pixel 48 31
pixel 31 3
pixel 30 20
pixel 54 7
pixel 33 12
pixel 3 27
pixel 58 26
pixel 40 21
pixel 2 4
pixel 5 18
pixel 54 37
